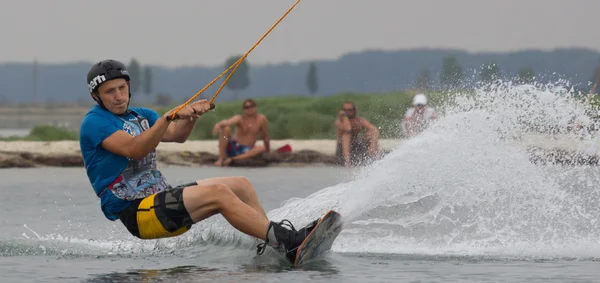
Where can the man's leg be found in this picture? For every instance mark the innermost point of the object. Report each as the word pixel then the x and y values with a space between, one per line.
pixel 241 187
pixel 224 138
pixel 360 148
pixel 248 154
pixel 203 201
pixel 346 149
pixel 373 146
pixel 338 154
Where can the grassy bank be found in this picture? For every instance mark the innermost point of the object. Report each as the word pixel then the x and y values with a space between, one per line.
pixel 290 117
pixel 304 117
pixel 46 133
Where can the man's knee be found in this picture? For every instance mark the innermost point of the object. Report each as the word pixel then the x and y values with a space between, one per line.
pixel 222 194
pixel 226 131
pixel 241 186
pixel 241 181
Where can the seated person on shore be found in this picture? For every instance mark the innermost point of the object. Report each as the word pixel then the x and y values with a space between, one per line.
pixel 352 148
pixel 242 146
pixel 417 117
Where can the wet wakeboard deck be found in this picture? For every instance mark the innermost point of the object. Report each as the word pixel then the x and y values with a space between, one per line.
pixel 320 239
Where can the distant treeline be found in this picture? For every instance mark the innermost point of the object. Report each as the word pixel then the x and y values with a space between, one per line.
pixel 363 72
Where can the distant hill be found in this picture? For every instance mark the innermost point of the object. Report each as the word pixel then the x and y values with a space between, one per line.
pixel 369 71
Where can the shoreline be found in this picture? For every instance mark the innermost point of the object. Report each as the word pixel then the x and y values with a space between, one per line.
pixel 209 146
pixel 28 154
pixel 543 149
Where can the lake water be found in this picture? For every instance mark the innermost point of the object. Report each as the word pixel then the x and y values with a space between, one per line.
pixel 53 231
pixel 5 133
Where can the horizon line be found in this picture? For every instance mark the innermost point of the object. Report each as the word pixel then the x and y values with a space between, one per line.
pixel 34 59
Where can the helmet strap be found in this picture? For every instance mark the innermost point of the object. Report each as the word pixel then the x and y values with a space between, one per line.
pixel 129 88
pixel 98 100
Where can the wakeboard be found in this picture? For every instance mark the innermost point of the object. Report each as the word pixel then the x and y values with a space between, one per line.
pixel 320 238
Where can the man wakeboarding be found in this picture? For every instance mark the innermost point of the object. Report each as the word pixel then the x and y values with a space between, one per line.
pixel 118 144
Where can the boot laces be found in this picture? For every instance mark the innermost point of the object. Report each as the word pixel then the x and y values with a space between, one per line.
pixel 287 223
pixel 260 248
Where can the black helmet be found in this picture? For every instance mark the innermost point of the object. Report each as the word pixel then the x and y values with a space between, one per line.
pixel 105 71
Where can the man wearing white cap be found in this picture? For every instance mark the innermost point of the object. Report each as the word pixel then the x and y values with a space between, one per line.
pixel 417 117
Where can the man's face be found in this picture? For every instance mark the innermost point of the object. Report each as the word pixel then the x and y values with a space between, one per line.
pixel 114 95
pixel 349 110
pixel 249 108
pixel 420 108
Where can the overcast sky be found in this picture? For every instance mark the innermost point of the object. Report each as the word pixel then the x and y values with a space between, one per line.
pixel 206 32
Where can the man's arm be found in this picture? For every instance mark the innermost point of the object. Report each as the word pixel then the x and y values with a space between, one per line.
pixel 372 131
pixel 406 126
pixel 372 134
pixel 122 143
pixel 406 122
pixel 264 128
pixel 181 129
pixel 342 125
pixel 346 147
pixel 227 123
pixel 434 115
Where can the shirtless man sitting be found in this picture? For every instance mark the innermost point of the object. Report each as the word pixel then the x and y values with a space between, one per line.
pixel 351 146
pixel 242 146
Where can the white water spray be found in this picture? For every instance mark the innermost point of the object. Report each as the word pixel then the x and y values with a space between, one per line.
pixel 467 185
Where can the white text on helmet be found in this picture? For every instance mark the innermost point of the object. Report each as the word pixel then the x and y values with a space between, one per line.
pixel 96 81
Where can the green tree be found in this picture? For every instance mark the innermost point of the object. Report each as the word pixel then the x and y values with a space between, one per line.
pixel 311 79
pixel 147 80
pixel 489 73
pixel 452 73
pixel 526 75
pixel 241 78
pixel 423 80
pixel 134 75
pixel 596 75
pixel 163 99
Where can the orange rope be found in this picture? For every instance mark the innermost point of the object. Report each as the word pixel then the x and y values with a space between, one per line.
pixel 234 66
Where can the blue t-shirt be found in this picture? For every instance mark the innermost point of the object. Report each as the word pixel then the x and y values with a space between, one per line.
pixel 102 166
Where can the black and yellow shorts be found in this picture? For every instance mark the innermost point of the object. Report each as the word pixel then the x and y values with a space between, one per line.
pixel 160 215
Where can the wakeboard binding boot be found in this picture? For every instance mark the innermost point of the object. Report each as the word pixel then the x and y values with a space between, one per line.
pixel 285 240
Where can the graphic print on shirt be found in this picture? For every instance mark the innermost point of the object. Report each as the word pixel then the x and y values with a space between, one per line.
pixel 140 178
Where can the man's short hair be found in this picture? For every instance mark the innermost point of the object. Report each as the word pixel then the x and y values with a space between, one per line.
pixel 249 100
pixel 349 102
